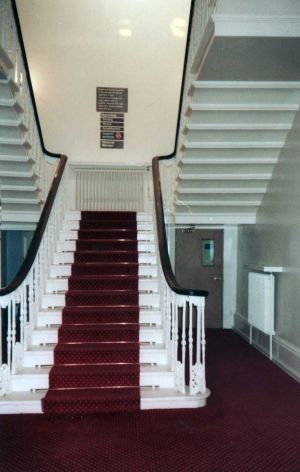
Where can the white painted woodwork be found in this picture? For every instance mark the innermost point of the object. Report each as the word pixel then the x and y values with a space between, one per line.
pixel 43 355
pixel 61 285
pixel 37 378
pixel 44 336
pixel 261 18
pixel 232 138
pixel 53 317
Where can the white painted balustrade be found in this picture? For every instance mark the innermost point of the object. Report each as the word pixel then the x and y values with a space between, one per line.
pixel 20 307
pixel 184 336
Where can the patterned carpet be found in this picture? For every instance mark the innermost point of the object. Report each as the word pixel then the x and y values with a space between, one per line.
pixel 251 423
pixel 100 323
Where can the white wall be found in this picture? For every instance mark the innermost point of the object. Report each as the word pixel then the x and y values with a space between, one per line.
pixel 73 46
pixel 275 241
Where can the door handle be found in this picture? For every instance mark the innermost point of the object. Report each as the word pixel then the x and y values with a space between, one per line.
pixel 218 277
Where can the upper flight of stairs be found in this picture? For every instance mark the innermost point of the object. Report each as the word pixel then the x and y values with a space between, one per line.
pixel 63 304
pixel 233 135
pixel 20 203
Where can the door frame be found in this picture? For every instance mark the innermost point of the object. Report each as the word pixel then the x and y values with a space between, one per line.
pixel 230 235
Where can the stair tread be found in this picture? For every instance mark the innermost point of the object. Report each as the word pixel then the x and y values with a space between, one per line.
pixel 116 368
pixel 100 326
pixel 143 347
pixel 103 277
pixel 101 292
pixel 91 393
pixel 97 346
pixel 102 308
pixel 44 370
pixel 105 240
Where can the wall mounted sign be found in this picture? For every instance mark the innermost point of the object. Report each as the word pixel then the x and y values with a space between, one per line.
pixel 112 99
pixel 112 103
pixel 112 130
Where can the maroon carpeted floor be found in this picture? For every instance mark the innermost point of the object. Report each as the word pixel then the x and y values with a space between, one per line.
pixel 251 424
pixel 96 361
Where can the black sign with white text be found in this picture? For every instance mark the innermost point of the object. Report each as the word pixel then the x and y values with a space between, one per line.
pixel 112 99
pixel 112 103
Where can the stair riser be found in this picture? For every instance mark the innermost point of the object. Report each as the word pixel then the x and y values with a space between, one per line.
pixel 227 169
pixel 10 132
pixel 44 320
pixel 68 258
pixel 8 113
pixel 246 96
pixel 140 217
pixel 145 335
pixel 220 199
pixel 25 383
pixel 70 246
pixel 72 235
pixel 85 381
pixel 59 285
pixel 65 271
pixel 216 135
pixel 231 153
pixel 5 90
pixel 15 166
pixel 44 358
pixel 253 117
pixel 73 225
pixel 58 300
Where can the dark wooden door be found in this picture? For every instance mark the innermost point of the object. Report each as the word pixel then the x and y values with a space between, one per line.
pixel 199 265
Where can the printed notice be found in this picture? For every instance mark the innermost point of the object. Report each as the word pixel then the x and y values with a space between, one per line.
pixel 112 103
pixel 112 99
pixel 112 130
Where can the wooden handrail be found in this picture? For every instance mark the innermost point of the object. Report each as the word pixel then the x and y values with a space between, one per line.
pixel 159 209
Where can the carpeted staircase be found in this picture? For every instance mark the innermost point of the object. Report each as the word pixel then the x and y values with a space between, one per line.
pixel 96 361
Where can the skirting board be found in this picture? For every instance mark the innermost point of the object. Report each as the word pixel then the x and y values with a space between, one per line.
pixel 285 354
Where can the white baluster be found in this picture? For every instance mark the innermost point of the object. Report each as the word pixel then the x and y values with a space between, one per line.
pixel 13 333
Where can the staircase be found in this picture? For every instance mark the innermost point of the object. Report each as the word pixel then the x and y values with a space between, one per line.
pixel 99 340
pixel 233 136
pixel 19 192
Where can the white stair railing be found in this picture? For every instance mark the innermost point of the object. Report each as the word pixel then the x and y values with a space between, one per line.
pixel 184 334
pixel 20 307
pixel 183 309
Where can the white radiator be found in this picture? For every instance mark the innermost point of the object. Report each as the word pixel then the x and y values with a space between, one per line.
pixel 261 302
pixel 110 189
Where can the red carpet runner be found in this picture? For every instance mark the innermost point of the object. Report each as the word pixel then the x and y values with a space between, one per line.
pixel 96 360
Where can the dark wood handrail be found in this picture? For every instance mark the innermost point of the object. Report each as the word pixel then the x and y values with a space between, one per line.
pixel 159 209
pixel 40 229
